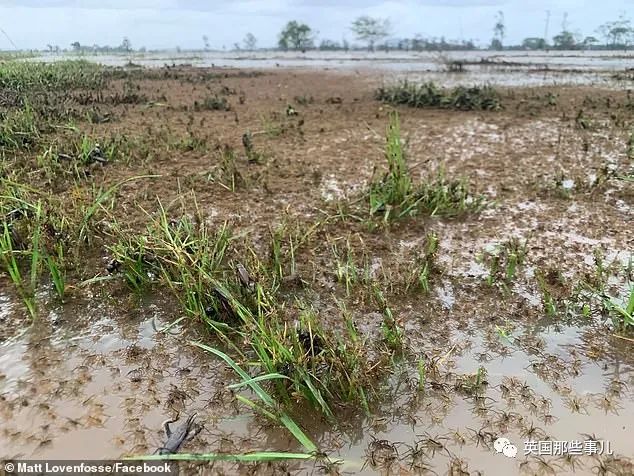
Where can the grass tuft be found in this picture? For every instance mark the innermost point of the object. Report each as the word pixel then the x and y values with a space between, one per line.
pixel 395 196
pixel 429 95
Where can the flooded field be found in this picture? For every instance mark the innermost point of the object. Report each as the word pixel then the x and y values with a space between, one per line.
pixel 336 272
pixel 510 68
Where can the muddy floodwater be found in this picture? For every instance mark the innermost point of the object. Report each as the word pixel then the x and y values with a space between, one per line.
pixel 509 327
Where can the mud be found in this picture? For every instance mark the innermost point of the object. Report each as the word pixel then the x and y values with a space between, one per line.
pixel 95 377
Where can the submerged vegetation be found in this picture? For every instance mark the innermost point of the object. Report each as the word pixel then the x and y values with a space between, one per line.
pixel 503 261
pixel 431 95
pixel 322 367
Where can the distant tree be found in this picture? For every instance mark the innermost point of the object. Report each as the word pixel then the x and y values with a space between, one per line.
pixel 371 30
pixel 206 42
pixel 76 46
pixel 298 36
pixel 126 45
pixel 617 34
pixel 236 46
pixel 565 41
pixel 499 32
pixel 534 43
pixel 49 47
pixel 250 42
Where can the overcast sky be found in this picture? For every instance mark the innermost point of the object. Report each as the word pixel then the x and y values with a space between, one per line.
pixel 168 23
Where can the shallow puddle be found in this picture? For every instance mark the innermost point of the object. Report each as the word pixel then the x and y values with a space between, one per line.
pixel 100 384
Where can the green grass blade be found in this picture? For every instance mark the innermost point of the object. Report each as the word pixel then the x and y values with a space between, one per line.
pixel 260 392
pixel 35 248
pixel 103 196
pixel 258 408
pixel 265 397
pixel 259 456
pixel 260 378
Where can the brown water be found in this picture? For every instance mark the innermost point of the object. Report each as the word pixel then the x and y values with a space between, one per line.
pixel 100 382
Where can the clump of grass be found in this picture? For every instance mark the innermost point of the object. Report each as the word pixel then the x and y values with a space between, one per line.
pixel 10 263
pixel 395 188
pixel 183 253
pixel 428 94
pixel 549 301
pixel 56 272
pixel 286 239
pixel 425 264
pixel 19 129
pixel 472 384
pixel 27 76
pixel 443 197
pixel 32 254
pixel 188 143
pixel 229 169
pixel 346 270
pixel 213 103
pixel 273 125
pixel 227 173
pixel 323 368
pixel 80 151
pixel 503 261
pixel 395 196
pixel 393 333
pixel 253 155
pixel 421 368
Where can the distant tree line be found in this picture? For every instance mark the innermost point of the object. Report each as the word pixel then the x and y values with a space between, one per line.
pixel 376 33
pixel 616 35
pixel 76 46
pixel 373 33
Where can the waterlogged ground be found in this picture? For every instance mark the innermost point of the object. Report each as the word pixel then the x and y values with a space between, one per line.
pixel 96 377
pixel 510 68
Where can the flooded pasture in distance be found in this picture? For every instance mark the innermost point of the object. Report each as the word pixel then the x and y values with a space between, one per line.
pixel 230 211
pixel 510 68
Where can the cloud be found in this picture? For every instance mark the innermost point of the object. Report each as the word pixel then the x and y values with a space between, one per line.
pixel 165 23
pixel 215 5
